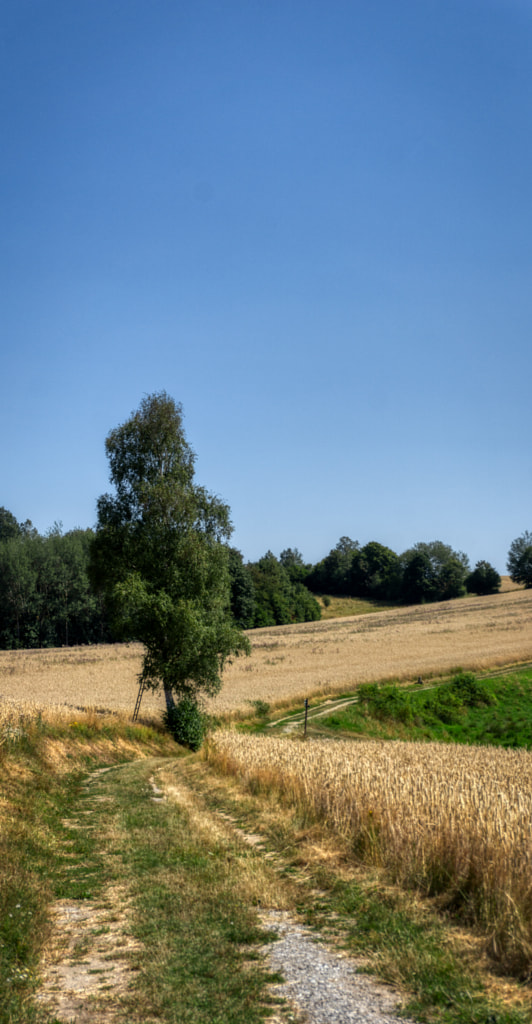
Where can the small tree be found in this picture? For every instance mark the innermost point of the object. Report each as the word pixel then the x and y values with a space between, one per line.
pixel 519 562
pixel 483 580
pixel 160 556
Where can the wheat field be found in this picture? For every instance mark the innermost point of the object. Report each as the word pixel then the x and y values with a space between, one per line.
pixel 286 662
pixel 442 818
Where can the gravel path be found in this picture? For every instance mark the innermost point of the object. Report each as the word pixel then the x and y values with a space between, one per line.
pixel 322 985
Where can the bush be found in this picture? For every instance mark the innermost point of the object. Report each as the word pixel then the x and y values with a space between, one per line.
pixel 261 708
pixel 386 702
pixel 187 723
pixel 470 690
pixel 445 705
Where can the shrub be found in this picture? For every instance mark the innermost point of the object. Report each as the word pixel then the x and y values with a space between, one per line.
pixel 386 702
pixel 187 723
pixel 261 707
pixel 470 690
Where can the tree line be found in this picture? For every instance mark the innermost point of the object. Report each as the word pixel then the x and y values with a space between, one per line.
pixel 47 598
pixel 158 568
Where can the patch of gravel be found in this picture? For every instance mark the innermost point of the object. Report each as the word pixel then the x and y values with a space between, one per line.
pixel 323 986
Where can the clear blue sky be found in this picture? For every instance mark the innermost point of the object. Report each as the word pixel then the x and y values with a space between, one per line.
pixel 311 223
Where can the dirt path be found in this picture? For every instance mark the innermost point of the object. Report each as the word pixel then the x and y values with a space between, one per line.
pixel 92 959
pixel 86 967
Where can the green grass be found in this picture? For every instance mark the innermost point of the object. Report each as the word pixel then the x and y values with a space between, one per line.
pixel 190 915
pixel 39 846
pixel 69 841
pixel 499 712
pixel 33 874
pixel 442 987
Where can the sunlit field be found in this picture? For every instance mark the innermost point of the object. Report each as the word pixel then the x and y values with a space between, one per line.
pixel 450 821
pixel 295 661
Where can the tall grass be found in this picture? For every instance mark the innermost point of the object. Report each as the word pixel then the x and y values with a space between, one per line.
pixel 452 822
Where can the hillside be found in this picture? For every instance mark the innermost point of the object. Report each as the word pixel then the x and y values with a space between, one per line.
pixel 296 660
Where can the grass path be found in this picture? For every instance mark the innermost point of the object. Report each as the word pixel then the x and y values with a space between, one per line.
pixel 160 904
pixel 169 869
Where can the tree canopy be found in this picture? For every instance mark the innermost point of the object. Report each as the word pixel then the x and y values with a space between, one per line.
pixel 483 580
pixel 432 571
pixel 519 562
pixel 160 555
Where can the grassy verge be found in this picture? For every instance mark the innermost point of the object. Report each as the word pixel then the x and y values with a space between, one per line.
pixel 495 711
pixel 42 764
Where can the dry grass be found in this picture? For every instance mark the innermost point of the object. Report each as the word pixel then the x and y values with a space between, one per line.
pixel 287 661
pixel 508 585
pixel 451 821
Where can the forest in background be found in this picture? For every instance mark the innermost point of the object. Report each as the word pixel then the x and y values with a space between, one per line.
pixel 46 599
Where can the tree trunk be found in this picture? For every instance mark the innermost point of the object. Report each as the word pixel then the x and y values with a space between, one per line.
pixel 169 698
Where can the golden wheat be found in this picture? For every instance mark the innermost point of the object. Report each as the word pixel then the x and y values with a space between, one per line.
pixel 337 654
pixel 451 819
pixel 298 660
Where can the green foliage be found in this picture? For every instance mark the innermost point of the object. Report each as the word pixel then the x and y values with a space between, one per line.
pixel 271 585
pixel 444 703
pixel 242 591
pixel 375 572
pixel 470 691
pixel 292 560
pixel 419 582
pixel 160 555
pixel 261 708
pixel 464 710
pixel 279 598
pixel 45 596
pixel 427 572
pixel 333 574
pixel 186 722
pixel 384 702
pixel 433 572
pixel 519 562
pixel 483 580
pixel 9 527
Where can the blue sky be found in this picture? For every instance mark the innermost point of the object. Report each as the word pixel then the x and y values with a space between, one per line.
pixel 308 222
